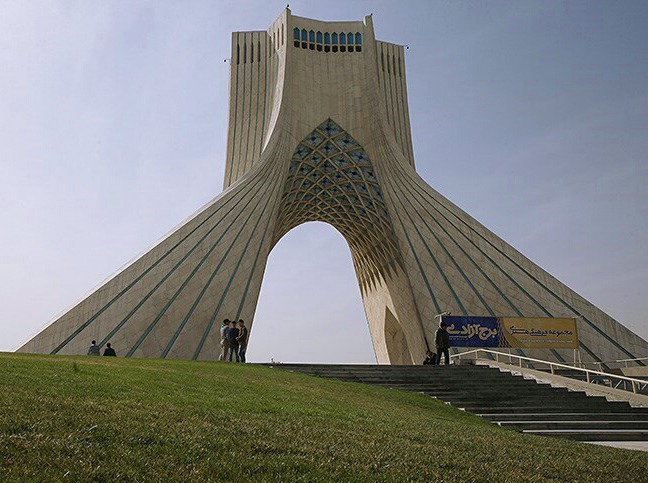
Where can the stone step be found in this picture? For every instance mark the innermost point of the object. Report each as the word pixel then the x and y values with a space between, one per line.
pixel 573 425
pixel 532 409
pixel 593 435
pixel 493 391
pixel 592 416
pixel 476 385
pixel 504 400
pixel 390 379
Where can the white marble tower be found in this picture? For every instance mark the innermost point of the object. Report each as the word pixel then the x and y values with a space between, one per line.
pixel 319 130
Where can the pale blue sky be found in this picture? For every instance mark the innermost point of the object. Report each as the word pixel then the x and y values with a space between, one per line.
pixel 531 116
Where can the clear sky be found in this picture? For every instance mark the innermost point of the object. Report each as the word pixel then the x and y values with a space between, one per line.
pixel 531 116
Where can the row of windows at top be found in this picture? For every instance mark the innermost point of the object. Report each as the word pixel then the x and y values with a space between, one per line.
pixel 328 42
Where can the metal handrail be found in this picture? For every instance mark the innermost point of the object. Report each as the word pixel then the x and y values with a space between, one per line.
pixel 553 365
pixel 617 361
pixel 635 359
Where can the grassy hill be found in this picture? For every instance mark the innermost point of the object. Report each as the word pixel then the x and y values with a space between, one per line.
pixel 105 419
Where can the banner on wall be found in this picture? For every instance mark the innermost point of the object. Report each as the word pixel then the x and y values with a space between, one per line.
pixel 539 332
pixel 472 331
pixel 513 332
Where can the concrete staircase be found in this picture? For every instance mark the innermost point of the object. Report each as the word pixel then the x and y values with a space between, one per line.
pixel 505 399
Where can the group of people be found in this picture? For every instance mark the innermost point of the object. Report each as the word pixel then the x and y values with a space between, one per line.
pixel 94 350
pixel 233 340
pixel 442 342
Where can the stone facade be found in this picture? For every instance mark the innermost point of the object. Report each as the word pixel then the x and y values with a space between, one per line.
pixel 319 130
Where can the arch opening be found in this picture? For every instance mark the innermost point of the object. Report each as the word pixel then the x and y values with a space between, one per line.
pixel 309 308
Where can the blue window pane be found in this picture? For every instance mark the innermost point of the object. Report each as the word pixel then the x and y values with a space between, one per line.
pixel 296 33
pixel 304 35
pixel 342 39
pixel 358 39
pixel 335 38
pixel 327 38
pixel 311 36
pixel 350 38
pixel 319 37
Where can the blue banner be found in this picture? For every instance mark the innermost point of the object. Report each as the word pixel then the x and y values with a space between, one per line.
pixel 472 331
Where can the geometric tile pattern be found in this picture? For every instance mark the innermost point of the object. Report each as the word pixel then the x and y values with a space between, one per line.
pixel 331 179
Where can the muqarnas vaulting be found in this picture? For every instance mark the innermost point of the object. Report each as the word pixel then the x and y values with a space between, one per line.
pixel 319 130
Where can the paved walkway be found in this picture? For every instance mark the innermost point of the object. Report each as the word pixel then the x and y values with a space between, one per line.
pixel 635 445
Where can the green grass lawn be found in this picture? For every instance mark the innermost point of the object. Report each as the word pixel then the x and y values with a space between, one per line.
pixel 106 419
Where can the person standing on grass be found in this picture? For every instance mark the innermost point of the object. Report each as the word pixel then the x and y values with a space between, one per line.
pixel 224 340
pixel 242 339
pixel 94 349
pixel 232 335
pixel 442 343
pixel 109 351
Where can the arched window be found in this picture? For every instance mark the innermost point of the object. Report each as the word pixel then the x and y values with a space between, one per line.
pixel 388 68
pixel 334 41
pixel 296 34
pixel 382 59
pixel 350 41
pixel 358 39
pixel 394 64
pixel 258 51
pixel 327 42
pixel 244 53
pixel 311 40
pixel 238 54
pixel 342 42
pixel 252 53
pixel 319 37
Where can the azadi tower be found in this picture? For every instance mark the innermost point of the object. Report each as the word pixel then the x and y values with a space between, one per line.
pixel 319 130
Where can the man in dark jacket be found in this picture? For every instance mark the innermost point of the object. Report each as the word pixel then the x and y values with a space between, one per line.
pixel 242 339
pixel 232 335
pixel 442 343
pixel 109 351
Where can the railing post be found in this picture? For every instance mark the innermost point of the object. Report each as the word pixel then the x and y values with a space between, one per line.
pixel 497 357
pixel 588 376
pixel 551 366
pixel 520 359
pixel 634 387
